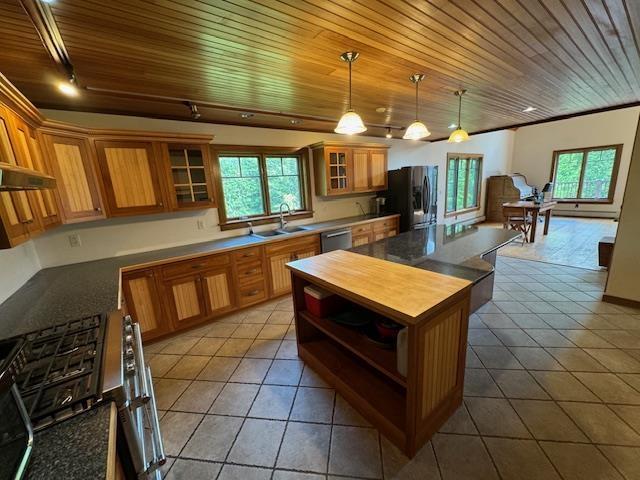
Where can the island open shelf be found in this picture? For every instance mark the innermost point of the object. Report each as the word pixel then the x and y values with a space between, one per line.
pixel 433 307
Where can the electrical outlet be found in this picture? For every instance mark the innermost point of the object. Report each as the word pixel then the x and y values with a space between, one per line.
pixel 200 224
pixel 74 240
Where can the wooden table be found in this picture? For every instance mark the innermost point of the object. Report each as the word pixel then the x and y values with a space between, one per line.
pixel 535 209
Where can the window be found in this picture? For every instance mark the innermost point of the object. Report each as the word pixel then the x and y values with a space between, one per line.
pixel 586 174
pixel 464 174
pixel 254 185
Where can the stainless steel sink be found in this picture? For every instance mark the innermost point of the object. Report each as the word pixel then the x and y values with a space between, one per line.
pixel 268 234
pixel 280 231
pixel 293 229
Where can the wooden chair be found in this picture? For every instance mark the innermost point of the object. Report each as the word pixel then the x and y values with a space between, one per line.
pixel 517 218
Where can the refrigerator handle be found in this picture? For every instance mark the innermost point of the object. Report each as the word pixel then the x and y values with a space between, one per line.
pixel 426 194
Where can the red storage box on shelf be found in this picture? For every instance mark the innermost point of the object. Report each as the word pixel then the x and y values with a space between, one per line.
pixel 320 302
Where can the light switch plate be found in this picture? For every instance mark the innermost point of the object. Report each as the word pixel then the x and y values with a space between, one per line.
pixel 200 224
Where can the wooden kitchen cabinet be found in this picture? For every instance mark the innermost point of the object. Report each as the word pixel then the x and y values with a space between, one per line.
pixel 27 202
pixel 341 168
pixel 129 174
pixel 77 188
pixel 250 275
pixel 361 234
pixel 185 300
pixel 188 175
pixel 281 253
pixel 14 230
pixel 385 228
pixel 142 299
pixel 217 288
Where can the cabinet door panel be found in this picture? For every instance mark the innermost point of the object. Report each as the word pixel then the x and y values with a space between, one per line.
pixel 360 240
pixel 130 175
pixel 26 202
pixel 378 170
pixel 77 187
pixel 280 276
pixel 143 303
pixel 217 285
pixel 189 179
pixel 360 170
pixel 338 170
pixel 186 301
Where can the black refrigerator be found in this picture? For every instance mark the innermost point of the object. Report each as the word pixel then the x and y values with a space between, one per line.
pixel 413 193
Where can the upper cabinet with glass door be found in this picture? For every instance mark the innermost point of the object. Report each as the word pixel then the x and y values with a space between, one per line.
pixel 189 176
pixel 341 168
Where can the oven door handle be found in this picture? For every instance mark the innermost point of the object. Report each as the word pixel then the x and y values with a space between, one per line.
pixel 159 457
pixel 143 382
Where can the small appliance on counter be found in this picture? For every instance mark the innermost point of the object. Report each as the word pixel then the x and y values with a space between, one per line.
pixel 413 193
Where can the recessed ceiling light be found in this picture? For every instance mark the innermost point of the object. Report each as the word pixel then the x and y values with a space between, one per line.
pixel 246 115
pixel 529 109
pixel 453 125
pixel 381 109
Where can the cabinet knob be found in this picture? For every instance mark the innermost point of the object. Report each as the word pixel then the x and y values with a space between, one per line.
pixel 252 293
pixel 98 209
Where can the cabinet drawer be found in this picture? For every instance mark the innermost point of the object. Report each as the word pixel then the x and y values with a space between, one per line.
pixel 194 265
pixel 301 243
pixel 250 272
pixel 252 293
pixel 361 229
pixel 387 223
pixel 247 254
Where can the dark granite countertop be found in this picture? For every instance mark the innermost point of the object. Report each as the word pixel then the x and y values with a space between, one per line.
pixel 454 250
pixel 59 294
pixel 74 449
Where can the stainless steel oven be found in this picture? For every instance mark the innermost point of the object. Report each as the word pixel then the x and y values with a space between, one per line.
pixel 127 380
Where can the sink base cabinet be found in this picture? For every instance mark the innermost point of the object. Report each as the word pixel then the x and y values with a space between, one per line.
pixel 407 409
pixel 279 254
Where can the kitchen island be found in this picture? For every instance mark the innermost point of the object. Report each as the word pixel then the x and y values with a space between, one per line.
pixel 407 392
pixel 462 251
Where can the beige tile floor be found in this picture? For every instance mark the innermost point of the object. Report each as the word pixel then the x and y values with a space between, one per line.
pixel 552 391
pixel 571 241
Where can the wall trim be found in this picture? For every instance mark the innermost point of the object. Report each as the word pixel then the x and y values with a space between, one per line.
pixel 625 302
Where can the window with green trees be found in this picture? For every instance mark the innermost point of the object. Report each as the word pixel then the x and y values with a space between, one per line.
pixel 586 174
pixel 464 178
pixel 255 185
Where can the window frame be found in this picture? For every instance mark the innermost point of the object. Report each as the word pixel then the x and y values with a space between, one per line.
pixel 456 156
pixel 585 151
pixel 262 153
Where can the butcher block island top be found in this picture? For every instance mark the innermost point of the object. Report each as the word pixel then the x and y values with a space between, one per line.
pixel 406 294
pixel 407 386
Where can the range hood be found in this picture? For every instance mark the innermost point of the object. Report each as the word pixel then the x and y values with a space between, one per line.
pixel 18 178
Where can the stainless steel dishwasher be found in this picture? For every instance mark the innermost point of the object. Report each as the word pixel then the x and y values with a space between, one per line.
pixel 336 240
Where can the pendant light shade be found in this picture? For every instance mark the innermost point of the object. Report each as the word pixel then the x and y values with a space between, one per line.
pixel 459 134
pixel 417 129
pixel 350 123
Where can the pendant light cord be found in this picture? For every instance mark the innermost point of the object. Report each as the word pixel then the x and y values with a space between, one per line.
pixel 417 101
pixel 350 62
pixel 459 108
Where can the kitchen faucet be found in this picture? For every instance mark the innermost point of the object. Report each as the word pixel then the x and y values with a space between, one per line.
pixel 283 222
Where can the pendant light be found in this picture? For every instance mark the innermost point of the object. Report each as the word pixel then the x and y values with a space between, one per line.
pixel 459 134
pixel 350 123
pixel 417 129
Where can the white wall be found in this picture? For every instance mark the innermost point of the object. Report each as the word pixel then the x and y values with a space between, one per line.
pixel 112 237
pixel 625 263
pixel 17 265
pixel 534 146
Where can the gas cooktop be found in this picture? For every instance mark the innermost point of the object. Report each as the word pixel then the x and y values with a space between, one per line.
pixel 62 374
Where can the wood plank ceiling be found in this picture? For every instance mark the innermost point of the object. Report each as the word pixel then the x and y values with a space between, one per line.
pixel 279 59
